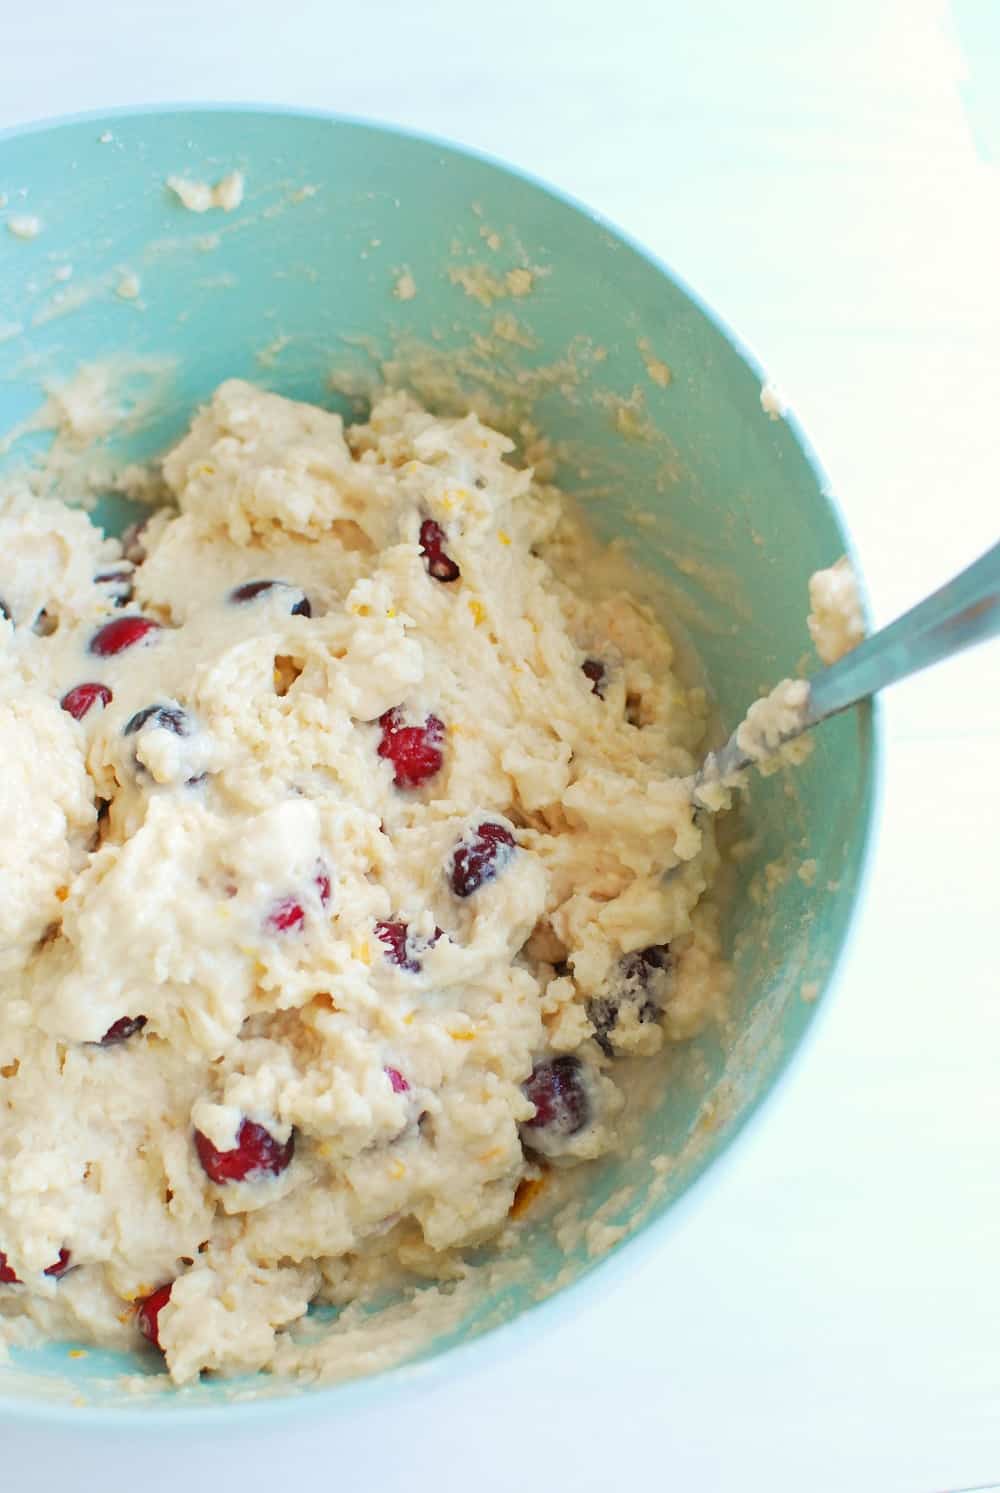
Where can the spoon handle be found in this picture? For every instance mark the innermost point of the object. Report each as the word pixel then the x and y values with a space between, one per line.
pixel 963 612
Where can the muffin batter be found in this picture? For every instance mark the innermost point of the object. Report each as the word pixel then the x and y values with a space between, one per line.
pixel 338 808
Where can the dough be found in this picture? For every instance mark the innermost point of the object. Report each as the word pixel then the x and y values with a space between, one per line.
pixel 836 621
pixel 336 891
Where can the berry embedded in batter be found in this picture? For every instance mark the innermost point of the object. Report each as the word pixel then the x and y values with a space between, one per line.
pixel 414 751
pixel 78 700
pixel 286 914
pixel 558 1091
pixel 61 1265
pixel 121 584
pixel 9 1277
pixel 399 1084
pixel 595 671
pixel 394 935
pixel 122 1029
pixel 124 632
pixel 640 981
pixel 480 858
pixel 148 1316
pixel 250 590
pixel 256 1154
pixel 439 564
pixel 161 717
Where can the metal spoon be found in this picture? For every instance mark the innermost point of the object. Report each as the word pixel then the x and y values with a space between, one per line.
pixel 963 612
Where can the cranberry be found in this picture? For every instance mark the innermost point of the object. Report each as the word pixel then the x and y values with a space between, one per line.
pixel 78 700
pixel 557 1090
pixel 594 670
pixel 481 858
pixel 121 581
pixel 61 1265
pixel 8 1277
pixel 440 565
pixel 286 914
pixel 414 751
pixel 399 1084
pixel 641 980
pixel 150 1308
pixel 393 935
pixel 323 887
pixel 163 717
pixel 256 1154
pixel 122 1029
pixel 124 632
pixel 250 590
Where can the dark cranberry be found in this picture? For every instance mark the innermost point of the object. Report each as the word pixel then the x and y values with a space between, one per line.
pixel 557 1090
pixel 78 700
pixel 480 858
pixel 393 935
pixel 414 751
pixel 440 565
pixel 286 914
pixel 121 582
pixel 594 670
pixel 122 1029
pixel 256 1154
pixel 124 632
pixel 640 981
pixel 162 717
pixel 399 1084
pixel 61 1265
pixel 150 1308
pixel 8 1277
pixel 323 887
pixel 250 590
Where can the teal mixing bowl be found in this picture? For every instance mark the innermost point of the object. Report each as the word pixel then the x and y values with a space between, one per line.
pixel 358 250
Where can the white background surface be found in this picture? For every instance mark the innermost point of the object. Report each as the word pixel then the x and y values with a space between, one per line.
pixel 825 1314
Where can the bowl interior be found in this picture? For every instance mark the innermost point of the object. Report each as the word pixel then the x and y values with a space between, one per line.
pixel 355 248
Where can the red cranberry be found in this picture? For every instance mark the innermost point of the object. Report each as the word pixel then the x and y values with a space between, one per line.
pixel 250 590
pixel 8 1277
pixel 61 1265
pixel 414 751
pixel 399 1084
pixel 594 670
pixel 393 935
pixel 122 583
pixel 256 1154
pixel 480 858
pixel 122 1029
pixel 124 632
pixel 440 565
pixel 640 981
pixel 163 717
pixel 557 1090
pixel 323 887
pixel 286 914
pixel 150 1308
pixel 78 700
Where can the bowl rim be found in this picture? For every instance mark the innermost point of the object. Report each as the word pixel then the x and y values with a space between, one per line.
pixel 349 1395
